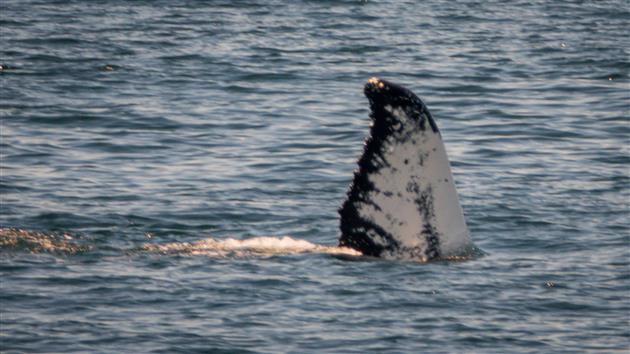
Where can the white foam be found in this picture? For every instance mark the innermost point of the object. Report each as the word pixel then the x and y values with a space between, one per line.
pixel 39 242
pixel 256 246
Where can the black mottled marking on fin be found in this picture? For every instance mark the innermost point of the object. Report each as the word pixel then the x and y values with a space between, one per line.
pixel 354 228
pixel 354 233
pixel 425 206
pixel 426 112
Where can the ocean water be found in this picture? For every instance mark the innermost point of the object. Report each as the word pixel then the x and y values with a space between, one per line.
pixel 171 173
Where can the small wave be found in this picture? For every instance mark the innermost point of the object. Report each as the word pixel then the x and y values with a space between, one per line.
pixel 463 254
pixel 39 242
pixel 18 240
pixel 256 246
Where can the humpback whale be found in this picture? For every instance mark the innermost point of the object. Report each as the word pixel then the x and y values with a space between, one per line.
pixel 402 202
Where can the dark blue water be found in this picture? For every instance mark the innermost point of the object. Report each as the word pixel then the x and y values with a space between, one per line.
pixel 154 154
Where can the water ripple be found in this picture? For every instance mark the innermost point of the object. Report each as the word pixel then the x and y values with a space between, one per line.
pixel 160 123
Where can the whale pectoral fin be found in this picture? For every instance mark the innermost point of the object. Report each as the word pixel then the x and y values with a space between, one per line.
pixel 402 202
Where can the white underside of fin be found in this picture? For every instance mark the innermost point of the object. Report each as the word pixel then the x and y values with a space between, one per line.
pixel 416 176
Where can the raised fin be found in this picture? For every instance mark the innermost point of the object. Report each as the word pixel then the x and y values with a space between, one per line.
pixel 402 202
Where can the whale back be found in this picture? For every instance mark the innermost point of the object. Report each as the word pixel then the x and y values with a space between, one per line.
pixel 402 202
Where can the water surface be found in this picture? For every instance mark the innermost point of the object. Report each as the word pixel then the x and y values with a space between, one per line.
pixel 154 155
